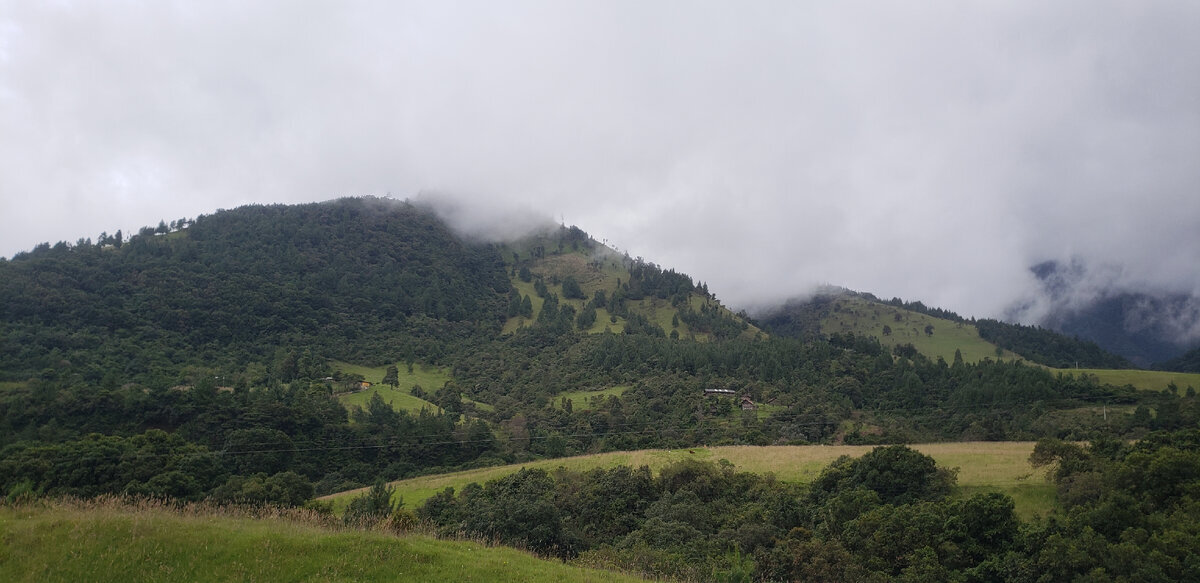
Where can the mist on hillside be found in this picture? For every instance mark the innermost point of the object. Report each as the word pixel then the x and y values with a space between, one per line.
pixel 933 153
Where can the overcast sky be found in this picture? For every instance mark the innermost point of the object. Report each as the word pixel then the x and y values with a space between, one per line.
pixel 931 150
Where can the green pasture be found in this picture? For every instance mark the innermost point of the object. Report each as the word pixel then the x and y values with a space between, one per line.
pixel 430 379
pixel 864 318
pixel 50 543
pixel 478 404
pixel 1146 380
pixel 399 399
pixel 982 467
pixel 582 400
pixel 765 410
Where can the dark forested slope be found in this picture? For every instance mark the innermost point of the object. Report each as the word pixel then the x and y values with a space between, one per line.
pixel 353 279
pixel 1049 347
pixel 1189 362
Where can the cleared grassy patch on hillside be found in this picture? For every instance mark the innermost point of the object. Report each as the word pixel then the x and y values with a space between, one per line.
pixel 606 322
pixel 581 400
pixel 399 399
pixel 1146 380
pixel 864 318
pixel 983 466
pixel 431 378
pixel 428 377
pixel 478 404
pixel 120 543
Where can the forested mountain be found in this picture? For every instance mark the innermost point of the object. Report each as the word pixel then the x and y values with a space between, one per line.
pixel 1143 325
pixel 354 279
pixel 1189 362
pixel 1048 347
pixel 199 360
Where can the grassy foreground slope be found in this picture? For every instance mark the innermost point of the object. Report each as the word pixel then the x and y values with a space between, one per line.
pixel 115 542
pixel 983 467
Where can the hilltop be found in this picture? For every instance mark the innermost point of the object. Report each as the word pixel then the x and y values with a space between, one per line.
pixel 934 332
pixel 608 291
pixel 353 279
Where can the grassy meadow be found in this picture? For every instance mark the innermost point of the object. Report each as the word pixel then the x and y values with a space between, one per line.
pixel 982 467
pixel 399 399
pixel 113 541
pixel 428 377
pixel 1146 380
pixel 431 378
pixel 858 316
pixel 581 400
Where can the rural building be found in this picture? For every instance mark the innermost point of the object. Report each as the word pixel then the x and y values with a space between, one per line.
pixel 748 404
pixel 720 392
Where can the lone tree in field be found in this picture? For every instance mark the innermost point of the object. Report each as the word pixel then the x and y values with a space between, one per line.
pixel 929 329
pixel 392 377
pixel 887 330
pixel 373 506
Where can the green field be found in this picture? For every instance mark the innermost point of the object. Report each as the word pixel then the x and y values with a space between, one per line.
pixel 397 398
pixel 478 404
pixel 864 318
pixel 429 378
pixel 581 400
pixel 1146 380
pixel 983 467
pixel 110 541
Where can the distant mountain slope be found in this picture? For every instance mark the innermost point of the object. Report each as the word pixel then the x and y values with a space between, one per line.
pixel 1048 347
pixel 1188 362
pixel 1109 321
pixel 932 331
pixel 841 312
pixel 607 291
pixel 1143 325
pixel 356 279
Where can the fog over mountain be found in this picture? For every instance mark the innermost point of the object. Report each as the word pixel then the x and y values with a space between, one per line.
pixel 1146 324
pixel 931 151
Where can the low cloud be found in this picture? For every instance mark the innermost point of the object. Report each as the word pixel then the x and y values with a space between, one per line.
pixel 930 151
pixel 476 219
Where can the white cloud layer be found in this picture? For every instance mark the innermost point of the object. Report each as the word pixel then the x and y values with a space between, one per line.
pixel 930 150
